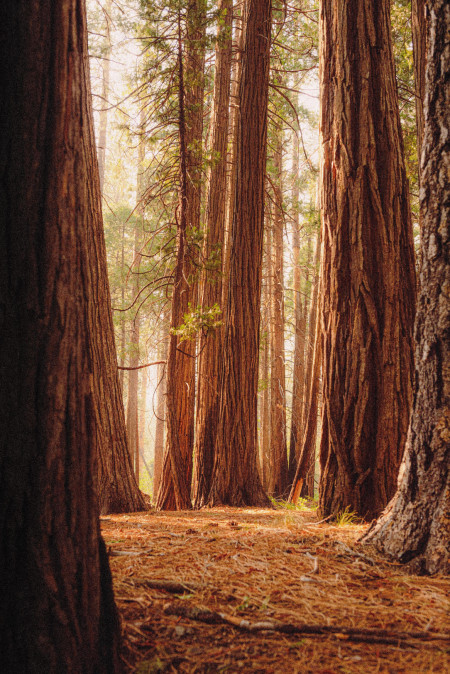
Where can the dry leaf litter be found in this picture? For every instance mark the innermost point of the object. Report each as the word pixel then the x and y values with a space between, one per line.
pixel 250 590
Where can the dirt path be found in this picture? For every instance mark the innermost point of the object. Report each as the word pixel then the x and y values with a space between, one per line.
pixel 277 567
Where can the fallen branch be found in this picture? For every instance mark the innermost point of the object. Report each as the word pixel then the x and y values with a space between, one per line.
pixel 141 367
pixel 346 633
pixel 167 585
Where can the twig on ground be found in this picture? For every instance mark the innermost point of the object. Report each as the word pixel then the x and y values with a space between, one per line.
pixel 348 633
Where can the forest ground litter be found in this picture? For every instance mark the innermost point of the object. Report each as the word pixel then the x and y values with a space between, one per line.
pixel 252 590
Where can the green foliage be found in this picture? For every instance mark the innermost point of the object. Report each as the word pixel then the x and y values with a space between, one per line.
pixel 302 505
pixel 198 320
pixel 347 517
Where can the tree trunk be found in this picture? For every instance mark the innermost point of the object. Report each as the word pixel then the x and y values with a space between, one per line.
pixel 419 35
pixel 298 383
pixel 369 294
pixel 210 345
pixel 142 412
pixel 160 412
pixel 133 374
pixel 415 526
pixel 235 477
pixel 175 488
pixel 301 484
pixel 57 612
pixel 122 319
pixel 311 396
pixel 278 448
pixel 238 45
pixel 103 121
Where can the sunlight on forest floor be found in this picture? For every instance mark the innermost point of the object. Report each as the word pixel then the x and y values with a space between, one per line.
pixel 277 567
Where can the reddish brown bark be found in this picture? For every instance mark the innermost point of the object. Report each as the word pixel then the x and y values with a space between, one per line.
pixel 299 316
pixel 312 385
pixel 57 612
pixel 175 488
pixel 235 476
pixel 368 264
pixel 210 345
pixel 278 447
pixel 415 526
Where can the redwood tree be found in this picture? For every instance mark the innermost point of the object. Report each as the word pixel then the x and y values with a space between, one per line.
pixel 210 345
pixel 416 524
pixel 368 263
pixel 57 612
pixel 235 475
pixel 278 447
pixel 175 488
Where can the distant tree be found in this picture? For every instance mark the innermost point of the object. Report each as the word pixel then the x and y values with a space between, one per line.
pixel 415 526
pixel 175 487
pixel 368 262
pixel 278 447
pixel 57 612
pixel 211 286
pixel 235 475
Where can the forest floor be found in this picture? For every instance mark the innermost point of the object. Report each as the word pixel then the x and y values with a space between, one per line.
pixel 248 590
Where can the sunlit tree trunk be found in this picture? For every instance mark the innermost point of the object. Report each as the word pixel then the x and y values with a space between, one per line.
pixel 278 449
pixel 311 397
pixel 369 293
pixel 235 476
pixel 210 345
pixel 57 610
pixel 236 73
pixel 103 120
pixel 134 372
pixel 419 35
pixel 175 487
pixel 299 314
pixel 303 482
pixel 265 360
pixel 415 526
pixel 122 322
pixel 160 411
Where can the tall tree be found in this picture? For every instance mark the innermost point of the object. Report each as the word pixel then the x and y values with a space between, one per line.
pixel 133 373
pixel 415 526
pixel 368 263
pixel 278 448
pixel 299 318
pixel 210 345
pixel 57 612
pixel 106 68
pixel 312 385
pixel 235 475
pixel 175 487
pixel 419 35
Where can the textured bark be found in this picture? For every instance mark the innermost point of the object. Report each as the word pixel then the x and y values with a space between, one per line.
pixel 301 484
pixel 238 45
pixel 175 488
pixel 160 412
pixel 235 476
pixel 299 315
pixel 210 345
pixel 265 406
pixel 278 448
pixel 368 262
pixel 57 612
pixel 133 374
pixel 312 374
pixel 419 35
pixel 415 526
pixel 103 121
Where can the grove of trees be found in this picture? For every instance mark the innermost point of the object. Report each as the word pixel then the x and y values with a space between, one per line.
pixel 278 292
